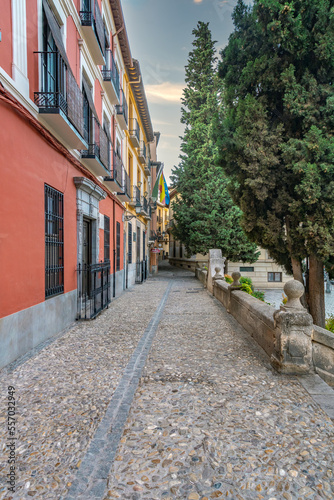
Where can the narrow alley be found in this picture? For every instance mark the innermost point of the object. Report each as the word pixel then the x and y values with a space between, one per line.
pixel 164 396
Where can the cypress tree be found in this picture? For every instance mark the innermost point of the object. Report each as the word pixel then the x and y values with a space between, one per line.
pixel 204 213
pixel 276 142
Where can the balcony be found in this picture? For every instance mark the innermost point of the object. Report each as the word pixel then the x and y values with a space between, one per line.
pixel 148 215
pixel 134 132
pixel 111 78
pixel 142 152
pixel 60 101
pixel 97 156
pixel 135 200
pixel 122 111
pixel 144 207
pixel 115 179
pixel 93 30
pixel 147 167
pixel 125 194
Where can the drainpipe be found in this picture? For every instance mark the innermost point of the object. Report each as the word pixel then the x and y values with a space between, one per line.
pixel 114 253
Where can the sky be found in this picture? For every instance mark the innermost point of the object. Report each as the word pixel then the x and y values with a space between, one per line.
pixel 160 35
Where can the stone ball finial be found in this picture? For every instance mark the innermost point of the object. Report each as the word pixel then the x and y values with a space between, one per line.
pixel 236 277
pixel 294 290
pixel 218 276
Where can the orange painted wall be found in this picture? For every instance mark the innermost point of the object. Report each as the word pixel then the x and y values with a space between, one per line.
pixel 98 99
pixel 6 45
pixel 32 46
pixel 72 48
pixel 27 162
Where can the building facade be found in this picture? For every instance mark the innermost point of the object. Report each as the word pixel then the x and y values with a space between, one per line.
pixel 69 103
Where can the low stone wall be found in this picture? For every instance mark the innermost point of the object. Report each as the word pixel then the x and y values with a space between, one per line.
pixel 323 354
pixel 202 275
pixel 255 316
pixel 188 264
pixel 288 336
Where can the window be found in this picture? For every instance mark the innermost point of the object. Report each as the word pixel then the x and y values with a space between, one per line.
pixel 246 269
pixel 275 277
pixel 130 243
pixel 144 244
pixel 106 239
pixel 118 246
pixel 54 241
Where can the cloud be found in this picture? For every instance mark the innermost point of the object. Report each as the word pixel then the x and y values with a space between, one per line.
pixel 198 1
pixel 166 91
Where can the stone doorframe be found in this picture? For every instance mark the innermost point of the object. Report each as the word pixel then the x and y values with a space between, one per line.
pixel 89 195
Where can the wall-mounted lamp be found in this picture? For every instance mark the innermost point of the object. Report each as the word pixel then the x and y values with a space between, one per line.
pixel 139 184
pixel 146 193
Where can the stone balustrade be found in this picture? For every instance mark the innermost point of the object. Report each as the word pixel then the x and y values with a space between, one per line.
pixel 294 344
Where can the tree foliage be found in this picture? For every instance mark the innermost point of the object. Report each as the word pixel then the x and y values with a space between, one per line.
pixel 204 212
pixel 276 142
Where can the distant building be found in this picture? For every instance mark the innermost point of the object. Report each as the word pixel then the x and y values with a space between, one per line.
pixel 264 273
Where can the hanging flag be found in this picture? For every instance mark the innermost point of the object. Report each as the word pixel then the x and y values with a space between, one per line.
pixel 155 192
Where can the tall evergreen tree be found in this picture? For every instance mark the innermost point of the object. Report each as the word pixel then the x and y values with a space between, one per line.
pixel 276 141
pixel 204 213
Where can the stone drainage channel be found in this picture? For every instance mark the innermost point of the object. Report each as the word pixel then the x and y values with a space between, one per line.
pixel 91 479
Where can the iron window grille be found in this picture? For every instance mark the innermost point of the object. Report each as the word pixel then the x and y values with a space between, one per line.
pixel 246 269
pixel 118 246
pixel 106 239
pixel 130 243
pixel 54 241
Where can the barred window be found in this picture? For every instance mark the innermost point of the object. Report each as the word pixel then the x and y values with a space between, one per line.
pixel 54 241
pixel 130 243
pixel 106 239
pixel 118 246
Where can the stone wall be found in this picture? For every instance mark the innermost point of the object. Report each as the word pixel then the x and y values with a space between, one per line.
pixel 288 336
pixel 323 354
pixel 188 264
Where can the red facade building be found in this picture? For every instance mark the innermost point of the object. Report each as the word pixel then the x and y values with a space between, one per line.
pixel 63 182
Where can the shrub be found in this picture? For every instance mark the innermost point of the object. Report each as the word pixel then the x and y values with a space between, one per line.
pixel 245 287
pixel 228 278
pixel 247 281
pixel 330 323
pixel 259 295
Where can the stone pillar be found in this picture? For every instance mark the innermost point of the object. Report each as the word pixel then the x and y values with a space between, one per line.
pixel 215 260
pixel 233 286
pixel 293 334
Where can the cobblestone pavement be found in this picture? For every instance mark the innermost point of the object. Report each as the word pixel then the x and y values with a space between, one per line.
pixel 63 393
pixel 210 418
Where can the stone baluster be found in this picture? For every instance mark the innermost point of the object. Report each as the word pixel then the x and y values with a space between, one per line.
pixel 293 334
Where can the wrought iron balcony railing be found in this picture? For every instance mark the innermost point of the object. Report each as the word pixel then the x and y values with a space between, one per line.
pixel 99 147
pixel 110 72
pixel 142 152
pixel 126 183
pixel 94 19
pixel 136 195
pixel 59 89
pixel 134 132
pixel 144 203
pixel 122 108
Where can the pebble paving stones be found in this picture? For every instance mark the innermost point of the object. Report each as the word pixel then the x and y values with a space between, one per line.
pixel 210 418
pixel 63 393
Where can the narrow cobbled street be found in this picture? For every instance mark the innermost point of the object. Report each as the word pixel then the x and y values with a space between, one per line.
pixel 164 396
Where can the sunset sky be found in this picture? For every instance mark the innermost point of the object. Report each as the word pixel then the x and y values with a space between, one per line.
pixel 160 34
